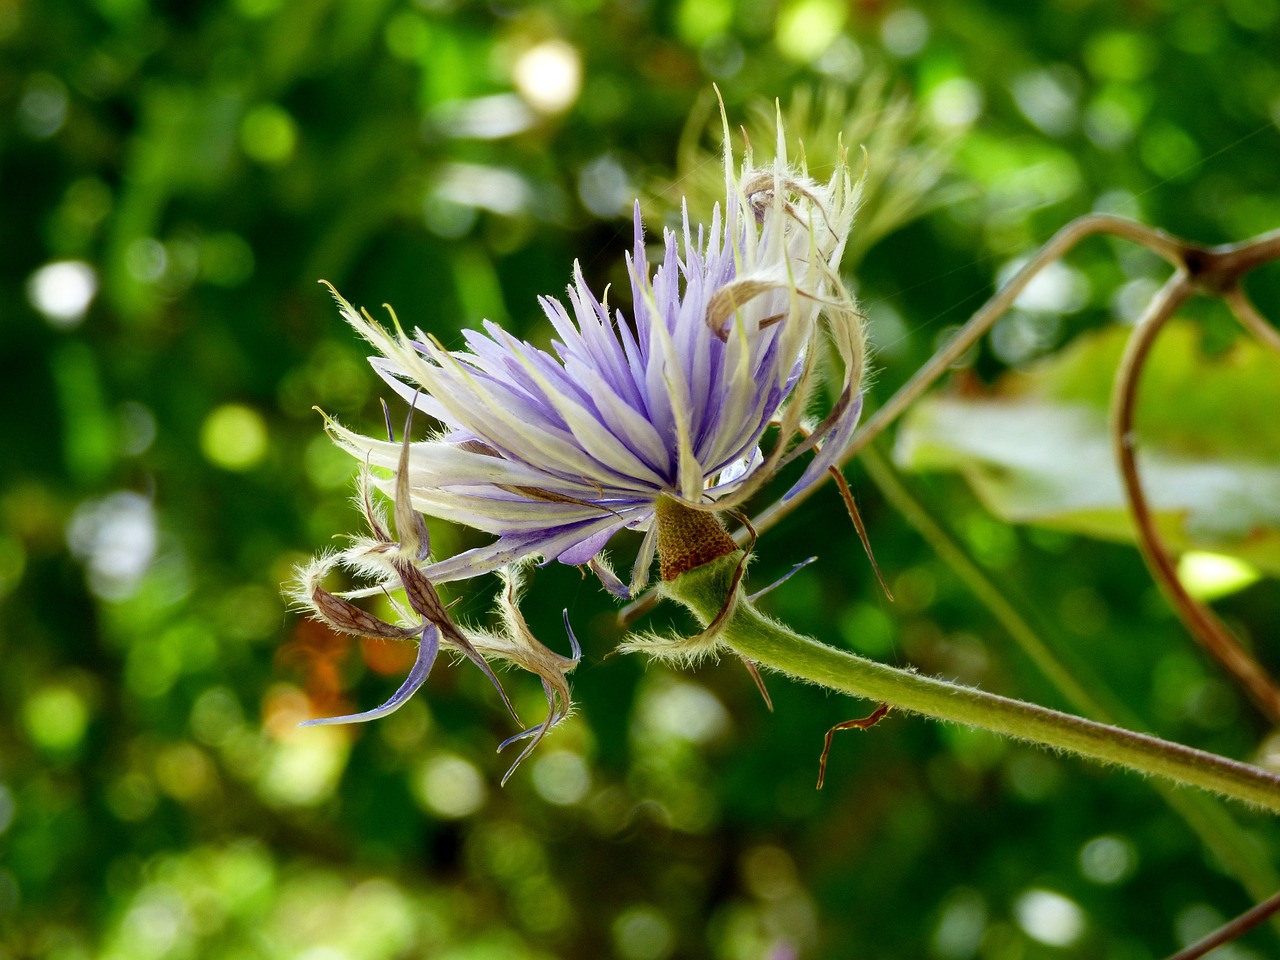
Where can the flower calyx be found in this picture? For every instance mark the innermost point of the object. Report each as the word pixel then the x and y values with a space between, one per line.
pixel 688 538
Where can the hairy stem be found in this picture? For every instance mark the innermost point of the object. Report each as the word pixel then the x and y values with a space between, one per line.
pixel 1251 319
pixel 769 644
pixel 1083 690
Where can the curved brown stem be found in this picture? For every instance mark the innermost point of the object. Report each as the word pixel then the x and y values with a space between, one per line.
pixel 1230 931
pixel 1216 269
pixel 1251 319
pixel 1204 625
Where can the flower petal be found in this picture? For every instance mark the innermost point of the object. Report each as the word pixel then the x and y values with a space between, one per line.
pixel 428 648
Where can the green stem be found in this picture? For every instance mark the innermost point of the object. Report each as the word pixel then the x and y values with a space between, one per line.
pixel 769 644
pixel 1085 694
pixel 1083 690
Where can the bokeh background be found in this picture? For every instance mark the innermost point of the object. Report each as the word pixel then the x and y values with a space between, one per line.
pixel 175 178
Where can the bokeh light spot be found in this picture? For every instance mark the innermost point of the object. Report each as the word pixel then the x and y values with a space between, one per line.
pixel 1169 151
pixel 605 188
pixel 1057 288
pixel 328 466
pixel 380 920
pixel 115 538
pixel 1120 55
pixel 904 32
pixel 961 926
pixel 1254 14
pixel 184 772
pixel 62 291
pixel 867 629
pixel 1113 115
pixel 42 111
pixel 1049 917
pixel 642 933
pixel 680 710
pixel 56 717
pixel 304 768
pixel 226 259
pixel 1033 775
pixel 450 787
pixel 1108 859
pixel 407 35
pixel 1048 98
pixel 807 27
pixel 137 427
pixel 541 906
pixel 549 76
pixel 216 716
pixel 268 135
pixel 234 437
pixel 131 797
pixel 955 103
pixel 561 777
pixel 697 21
pixel 1208 576
pixel 770 873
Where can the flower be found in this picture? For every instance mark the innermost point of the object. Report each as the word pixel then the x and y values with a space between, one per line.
pixel 629 419
pixel 555 452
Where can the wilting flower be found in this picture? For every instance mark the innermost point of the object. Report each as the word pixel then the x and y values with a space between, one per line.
pixel 555 452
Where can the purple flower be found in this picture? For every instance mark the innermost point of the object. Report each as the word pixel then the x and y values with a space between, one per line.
pixel 555 452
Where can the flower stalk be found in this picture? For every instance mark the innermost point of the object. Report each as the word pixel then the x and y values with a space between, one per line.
pixel 750 634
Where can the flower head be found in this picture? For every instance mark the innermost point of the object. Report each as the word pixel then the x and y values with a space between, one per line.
pixel 555 452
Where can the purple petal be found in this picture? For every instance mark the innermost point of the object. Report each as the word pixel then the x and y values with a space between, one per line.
pixel 548 543
pixel 573 640
pixel 582 552
pixel 833 446
pixel 781 580
pixel 427 650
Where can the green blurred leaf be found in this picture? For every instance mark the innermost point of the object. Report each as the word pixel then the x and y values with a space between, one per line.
pixel 1037 448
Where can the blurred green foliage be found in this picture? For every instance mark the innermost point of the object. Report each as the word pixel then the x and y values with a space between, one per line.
pixel 1038 447
pixel 175 177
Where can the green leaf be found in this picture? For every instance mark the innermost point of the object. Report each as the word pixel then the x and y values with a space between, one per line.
pixel 1036 449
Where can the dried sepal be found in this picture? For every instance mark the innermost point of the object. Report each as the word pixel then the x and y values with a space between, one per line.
pixel 754 669
pixel 860 723
pixel 393 565
pixel 731 297
pixel 410 525
pixel 425 600
pixel 518 645
pixel 338 613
